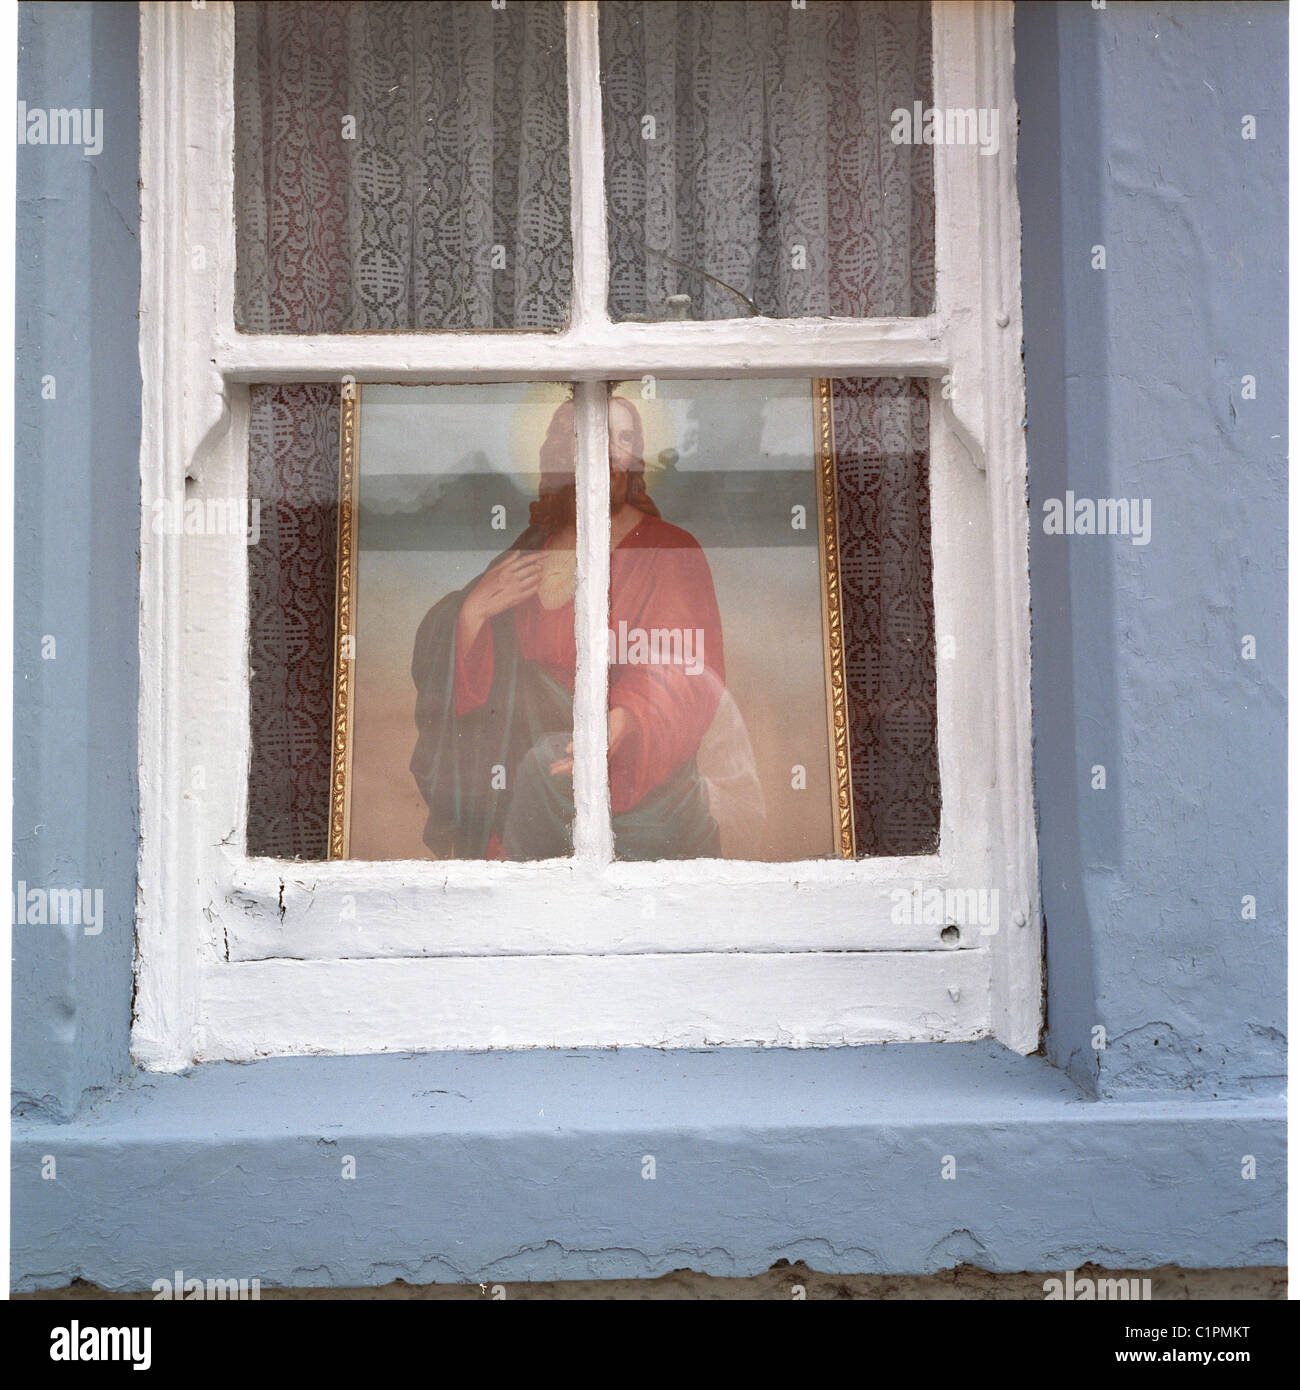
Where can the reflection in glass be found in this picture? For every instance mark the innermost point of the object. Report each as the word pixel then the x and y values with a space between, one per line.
pixel 772 683
pixel 667 671
pixel 716 646
pixel 464 638
pixel 747 690
pixel 749 161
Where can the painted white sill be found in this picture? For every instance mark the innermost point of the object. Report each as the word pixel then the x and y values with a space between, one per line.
pixel 351 909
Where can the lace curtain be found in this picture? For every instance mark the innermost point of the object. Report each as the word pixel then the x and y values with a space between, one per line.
pixel 882 463
pixel 401 166
pixel 293 453
pixel 748 158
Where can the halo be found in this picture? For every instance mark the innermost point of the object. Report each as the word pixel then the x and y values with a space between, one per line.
pixel 538 401
pixel 658 428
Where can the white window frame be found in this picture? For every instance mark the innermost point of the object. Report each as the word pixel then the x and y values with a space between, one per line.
pixel 241 957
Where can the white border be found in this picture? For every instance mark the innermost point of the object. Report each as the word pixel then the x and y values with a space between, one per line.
pixel 239 957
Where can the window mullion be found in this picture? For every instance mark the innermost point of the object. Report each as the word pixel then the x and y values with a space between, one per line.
pixel 593 838
pixel 586 167
pixel 592 833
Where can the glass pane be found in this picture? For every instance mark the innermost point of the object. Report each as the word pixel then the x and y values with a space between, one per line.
pixel 432 632
pixel 293 474
pixel 881 440
pixel 401 166
pixel 765 574
pixel 750 162
pixel 718 743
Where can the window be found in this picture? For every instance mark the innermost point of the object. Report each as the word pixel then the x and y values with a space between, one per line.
pixel 699 218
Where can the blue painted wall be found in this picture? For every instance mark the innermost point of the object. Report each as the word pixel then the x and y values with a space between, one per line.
pixel 529 1165
pixel 77 499
pixel 1131 139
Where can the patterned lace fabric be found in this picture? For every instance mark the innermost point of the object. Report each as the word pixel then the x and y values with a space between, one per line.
pixel 293 450
pixel 749 144
pixel 882 429
pixel 401 166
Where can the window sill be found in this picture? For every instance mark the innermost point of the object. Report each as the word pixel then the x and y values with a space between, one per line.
pixel 528 1166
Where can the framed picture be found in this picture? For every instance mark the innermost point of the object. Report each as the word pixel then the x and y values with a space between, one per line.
pixel 730 709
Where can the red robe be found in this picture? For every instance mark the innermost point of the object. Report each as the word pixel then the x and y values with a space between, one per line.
pixel 659 579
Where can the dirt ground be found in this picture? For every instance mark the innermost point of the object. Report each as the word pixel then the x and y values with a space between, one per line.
pixel 793 1281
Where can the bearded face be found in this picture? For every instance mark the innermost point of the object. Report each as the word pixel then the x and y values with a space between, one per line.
pixel 556 502
pixel 625 449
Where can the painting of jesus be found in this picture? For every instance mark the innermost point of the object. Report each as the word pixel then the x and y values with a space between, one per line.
pixel 458 650
pixel 494 668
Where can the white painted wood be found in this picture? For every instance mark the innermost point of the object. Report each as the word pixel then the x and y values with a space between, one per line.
pixel 1017 951
pixel 309 911
pixel 587 168
pixel 593 837
pixel 239 957
pixel 599 351
pixel 648 1001
pixel 980 307
pixel 183 236
pixel 962 250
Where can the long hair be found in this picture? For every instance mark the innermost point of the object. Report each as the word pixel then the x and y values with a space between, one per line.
pixel 557 497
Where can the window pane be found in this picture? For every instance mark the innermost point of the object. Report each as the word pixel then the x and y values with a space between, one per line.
pixel 881 433
pixel 729 594
pixel 716 688
pixel 465 649
pixel 749 162
pixel 401 166
pixel 293 470
pixel 447 680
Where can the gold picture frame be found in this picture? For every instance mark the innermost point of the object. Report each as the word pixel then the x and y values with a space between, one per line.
pixel 837 715
pixel 344 636
pixel 832 630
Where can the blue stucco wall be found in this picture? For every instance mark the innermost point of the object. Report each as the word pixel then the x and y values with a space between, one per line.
pixel 529 1165
pixel 77 503
pixel 1131 139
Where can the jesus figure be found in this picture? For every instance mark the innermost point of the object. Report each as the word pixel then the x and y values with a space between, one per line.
pixel 494 672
